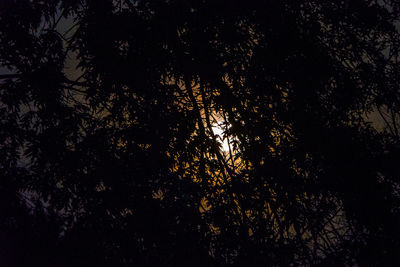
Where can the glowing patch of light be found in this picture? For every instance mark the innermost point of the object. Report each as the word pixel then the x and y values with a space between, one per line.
pixel 219 132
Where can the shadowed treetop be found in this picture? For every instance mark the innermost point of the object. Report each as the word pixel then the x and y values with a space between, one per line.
pixel 199 133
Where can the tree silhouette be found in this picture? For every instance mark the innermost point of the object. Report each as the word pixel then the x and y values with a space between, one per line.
pixel 199 133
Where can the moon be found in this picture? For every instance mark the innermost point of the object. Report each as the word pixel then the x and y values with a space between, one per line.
pixel 223 140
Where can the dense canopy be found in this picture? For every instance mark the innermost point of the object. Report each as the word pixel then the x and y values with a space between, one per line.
pixel 199 133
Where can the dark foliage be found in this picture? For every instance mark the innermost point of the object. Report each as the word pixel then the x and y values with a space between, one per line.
pixel 199 133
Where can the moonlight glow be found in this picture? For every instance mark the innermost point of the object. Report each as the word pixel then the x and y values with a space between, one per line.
pixel 223 140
